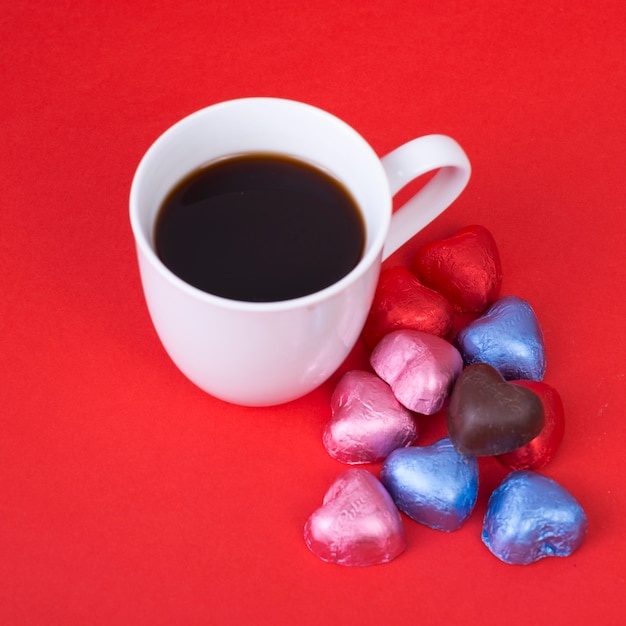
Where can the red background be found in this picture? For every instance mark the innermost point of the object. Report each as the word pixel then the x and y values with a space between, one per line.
pixel 128 496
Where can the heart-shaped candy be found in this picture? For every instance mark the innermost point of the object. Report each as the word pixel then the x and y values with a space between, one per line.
pixel 358 523
pixel 420 368
pixel 488 415
pixel 367 421
pixel 434 485
pixel 401 301
pixel 507 336
pixel 464 268
pixel 529 517
pixel 540 451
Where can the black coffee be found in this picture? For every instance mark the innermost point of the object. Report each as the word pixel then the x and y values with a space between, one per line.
pixel 259 228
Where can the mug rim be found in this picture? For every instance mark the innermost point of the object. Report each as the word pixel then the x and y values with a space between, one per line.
pixel 371 254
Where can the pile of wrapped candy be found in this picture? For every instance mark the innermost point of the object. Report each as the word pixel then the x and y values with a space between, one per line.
pixel 487 379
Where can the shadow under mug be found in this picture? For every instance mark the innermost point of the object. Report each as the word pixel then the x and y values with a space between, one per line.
pixel 266 353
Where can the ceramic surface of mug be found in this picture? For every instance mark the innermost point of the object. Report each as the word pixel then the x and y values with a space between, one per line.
pixel 264 353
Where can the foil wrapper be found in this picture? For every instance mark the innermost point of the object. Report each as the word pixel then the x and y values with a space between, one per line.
pixel 420 368
pixel 464 268
pixel 402 302
pixel 434 485
pixel 530 517
pixel 541 450
pixel 358 523
pixel 367 421
pixel 508 337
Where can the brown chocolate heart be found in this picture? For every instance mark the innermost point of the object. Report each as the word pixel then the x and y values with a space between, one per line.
pixel 489 416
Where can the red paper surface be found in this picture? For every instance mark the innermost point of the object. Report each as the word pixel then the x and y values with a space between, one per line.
pixel 128 496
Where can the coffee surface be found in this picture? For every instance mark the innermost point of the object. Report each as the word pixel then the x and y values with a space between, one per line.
pixel 259 228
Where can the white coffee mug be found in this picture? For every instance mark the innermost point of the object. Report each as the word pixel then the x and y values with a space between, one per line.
pixel 265 353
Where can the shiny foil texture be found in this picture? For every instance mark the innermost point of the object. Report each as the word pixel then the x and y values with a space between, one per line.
pixel 367 421
pixel 358 524
pixel 530 517
pixel 420 368
pixel 508 337
pixel 487 415
pixel 401 301
pixel 434 485
pixel 541 450
pixel 464 268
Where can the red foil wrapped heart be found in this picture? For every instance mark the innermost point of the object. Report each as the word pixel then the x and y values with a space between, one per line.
pixel 541 450
pixel 402 302
pixel 464 268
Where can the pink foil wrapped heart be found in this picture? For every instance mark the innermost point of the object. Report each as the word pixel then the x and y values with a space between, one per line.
pixel 420 368
pixel 367 422
pixel 401 301
pixel 358 524
pixel 464 268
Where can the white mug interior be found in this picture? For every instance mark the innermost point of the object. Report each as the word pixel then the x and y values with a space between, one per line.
pixel 262 125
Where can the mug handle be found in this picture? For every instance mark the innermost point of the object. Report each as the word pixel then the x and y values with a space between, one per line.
pixel 408 162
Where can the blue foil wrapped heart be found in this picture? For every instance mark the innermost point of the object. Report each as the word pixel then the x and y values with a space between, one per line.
pixel 434 485
pixel 529 517
pixel 508 337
